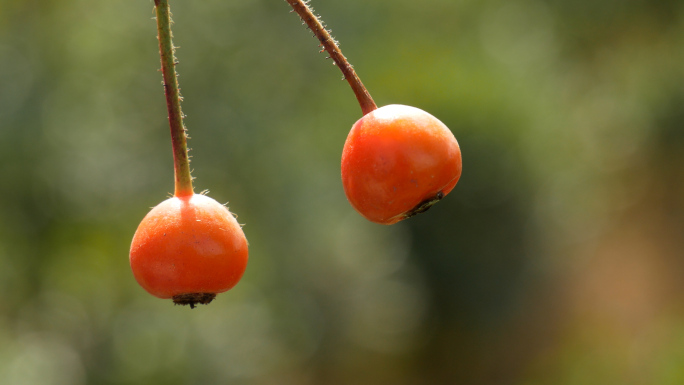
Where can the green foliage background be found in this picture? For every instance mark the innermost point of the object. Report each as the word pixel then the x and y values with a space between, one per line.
pixel 558 258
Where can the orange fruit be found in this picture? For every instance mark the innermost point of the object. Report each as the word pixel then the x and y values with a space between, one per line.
pixel 188 248
pixel 397 162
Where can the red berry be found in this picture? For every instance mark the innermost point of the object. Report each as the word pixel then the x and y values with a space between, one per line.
pixel 397 162
pixel 188 248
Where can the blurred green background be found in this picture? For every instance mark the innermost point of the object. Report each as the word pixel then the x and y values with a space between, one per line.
pixel 557 259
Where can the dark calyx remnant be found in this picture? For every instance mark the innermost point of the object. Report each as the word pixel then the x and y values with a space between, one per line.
pixel 425 205
pixel 193 299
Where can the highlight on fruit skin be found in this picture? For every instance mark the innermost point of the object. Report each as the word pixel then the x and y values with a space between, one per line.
pixel 188 248
pixel 397 162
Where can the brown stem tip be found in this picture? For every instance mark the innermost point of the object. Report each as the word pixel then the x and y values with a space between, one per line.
pixel 181 160
pixel 193 299
pixel 330 45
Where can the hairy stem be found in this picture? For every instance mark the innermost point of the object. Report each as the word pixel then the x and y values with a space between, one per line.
pixel 181 161
pixel 305 12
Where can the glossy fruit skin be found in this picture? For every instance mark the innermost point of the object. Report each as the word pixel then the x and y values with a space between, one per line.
pixel 189 244
pixel 396 161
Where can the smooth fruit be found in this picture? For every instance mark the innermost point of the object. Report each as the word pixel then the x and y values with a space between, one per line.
pixel 188 248
pixel 397 162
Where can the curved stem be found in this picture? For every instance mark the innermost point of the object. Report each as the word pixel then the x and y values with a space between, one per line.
pixel 305 12
pixel 181 161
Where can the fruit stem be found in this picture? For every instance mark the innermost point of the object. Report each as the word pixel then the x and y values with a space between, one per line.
pixel 181 161
pixel 329 44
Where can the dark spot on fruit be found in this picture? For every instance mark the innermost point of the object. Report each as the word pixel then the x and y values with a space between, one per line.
pixel 425 205
pixel 193 299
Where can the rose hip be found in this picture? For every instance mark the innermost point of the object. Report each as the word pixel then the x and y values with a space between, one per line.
pixel 397 162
